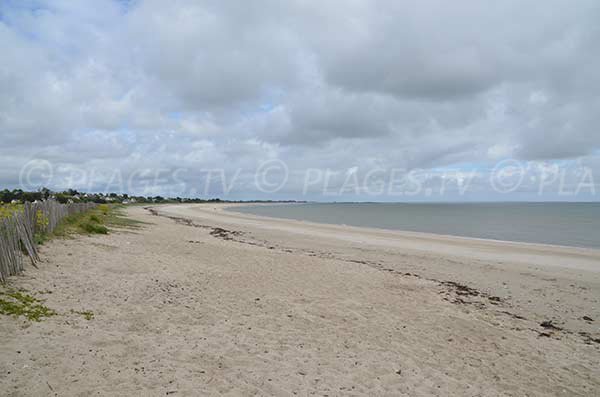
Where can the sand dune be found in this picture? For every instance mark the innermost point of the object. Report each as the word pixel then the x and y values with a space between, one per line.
pixel 204 301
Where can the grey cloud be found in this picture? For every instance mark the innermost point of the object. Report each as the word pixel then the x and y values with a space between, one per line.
pixel 209 54
pixel 337 84
pixel 438 50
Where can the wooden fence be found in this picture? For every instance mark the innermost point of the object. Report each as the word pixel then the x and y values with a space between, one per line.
pixel 17 232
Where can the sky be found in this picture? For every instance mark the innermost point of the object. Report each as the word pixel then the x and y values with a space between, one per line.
pixel 350 100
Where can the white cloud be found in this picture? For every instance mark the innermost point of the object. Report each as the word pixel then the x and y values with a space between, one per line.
pixel 411 84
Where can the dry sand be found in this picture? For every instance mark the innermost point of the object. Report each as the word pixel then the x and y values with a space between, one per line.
pixel 203 301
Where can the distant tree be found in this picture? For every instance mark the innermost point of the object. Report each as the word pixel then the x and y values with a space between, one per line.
pixel 17 194
pixel 45 192
pixel 6 196
pixel 62 198
pixel 31 196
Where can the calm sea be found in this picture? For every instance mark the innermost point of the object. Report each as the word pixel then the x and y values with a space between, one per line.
pixel 573 224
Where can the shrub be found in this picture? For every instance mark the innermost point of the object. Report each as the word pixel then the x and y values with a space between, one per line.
pixel 104 208
pixel 94 218
pixel 94 228
pixel 41 220
pixel 7 210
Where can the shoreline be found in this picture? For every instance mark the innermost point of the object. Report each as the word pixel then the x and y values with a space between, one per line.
pixel 585 258
pixel 411 233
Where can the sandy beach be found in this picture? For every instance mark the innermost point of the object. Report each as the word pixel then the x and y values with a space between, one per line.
pixel 206 301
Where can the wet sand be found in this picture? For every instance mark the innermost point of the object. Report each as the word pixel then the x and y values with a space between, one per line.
pixel 207 301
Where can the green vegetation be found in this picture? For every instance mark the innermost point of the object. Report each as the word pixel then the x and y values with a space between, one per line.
pixel 7 210
pixel 114 217
pixel 96 221
pixel 88 315
pixel 94 218
pixel 18 303
pixel 40 238
pixel 6 196
pixel 93 228
pixel 74 196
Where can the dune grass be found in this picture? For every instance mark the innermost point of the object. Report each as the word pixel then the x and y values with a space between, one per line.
pixel 99 220
pixel 19 303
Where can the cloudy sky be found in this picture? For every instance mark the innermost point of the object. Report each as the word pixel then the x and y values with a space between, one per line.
pixel 326 100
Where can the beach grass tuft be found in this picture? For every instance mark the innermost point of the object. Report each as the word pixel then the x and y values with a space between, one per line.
pixel 18 303
pixel 87 314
